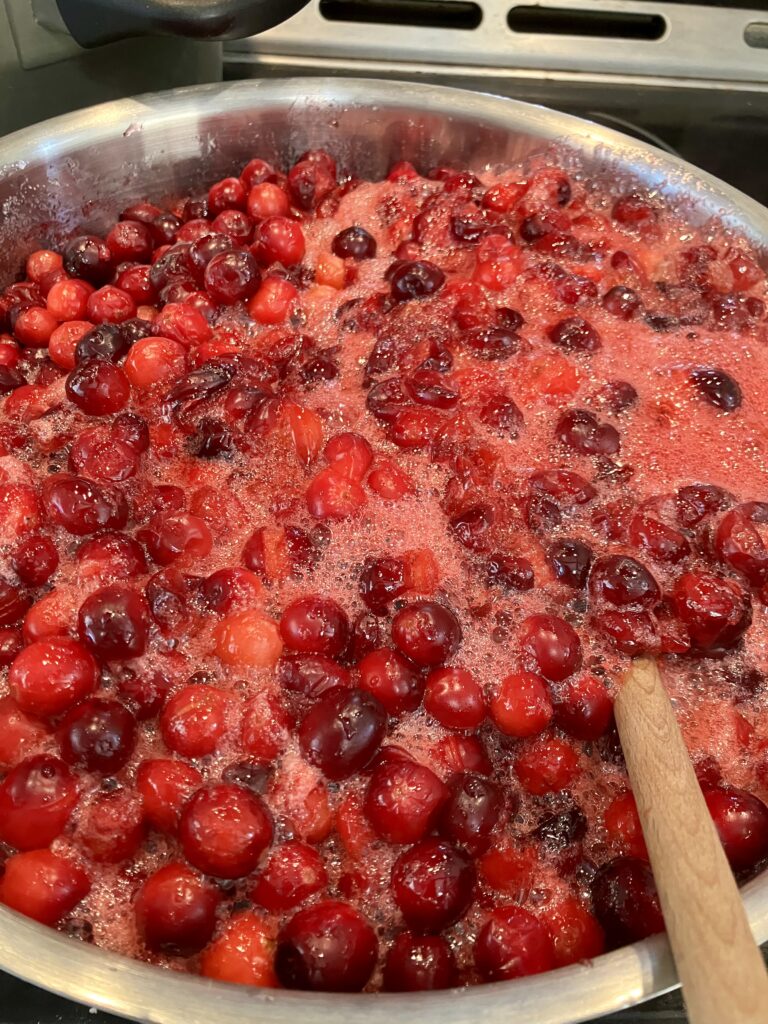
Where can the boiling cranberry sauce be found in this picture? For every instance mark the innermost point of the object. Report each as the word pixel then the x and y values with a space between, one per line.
pixel 331 513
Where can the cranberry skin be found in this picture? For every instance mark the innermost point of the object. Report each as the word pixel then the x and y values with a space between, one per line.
pixel 571 561
pixel 98 735
pixel 403 801
pixel 741 820
pixel 419 963
pixel 512 944
pixel 293 873
pixel 223 830
pixel 114 622
pixel 329 947
pixel 575 335
pixel 315 625
pixel 43 885
pixel 37 798
pixel 426 632
pixel 311 675
pixel 717 611
pixel 342 732
pixel 176 911
pixel 107 342
pixel 89 258
pixel 354 243
pixel 36 560
pixel 455 698
pixel 83 506
pixel 717 387
pixel 392 680
pixel 552 645
pixel 232 276
pixel 580 430
pixel 415 279
pixel 49 676
pixel 471 812
pixel 381 581
pixel 98 388
pixel 387 399
pixel 621 580
pixel 433 884
pixel 626 902
pixel 471 526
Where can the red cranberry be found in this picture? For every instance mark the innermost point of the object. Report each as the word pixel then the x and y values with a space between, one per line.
pixel 551 645
pixel 472 811
pixel 428 387
pixel 176 911
pixel 194 721
pixel 455 698
pixel 354 243
pixel 547 766
pixel 98 388
pixel 415 280
pixel 165 787
pixel 662 541
pixel 36 560
pixel 392 680
pixel 739 543
pixel 315 625
pixel 13 604
pixel 223 830
pixel 43 885
pixel 626 902
pixel 584 709
pixel 232 276
pixel 419 963
pixel 512 944
pixel 83 506
pixel 580 430
pixel 575 335
pixel 89 258
pixel 176 536
pixel 698 501
pixel 509 572
pixel 309 182
pixel 621 580
pixel 51 675
pixel 521 705
pixel 491 343
pixel 279 240
pixel 144 695
pixel 741 820
pixel 130 241
pixel 470 526
pixel 565 488
pixel 293 873
pixel 717 387
pixel 433 884
pixel 114 622
pixel 311 675
pixel 98 735
pixel 403 801
pixel 619 396
pixel 37 798
pixel 387 399
pixel 426 632
pixel 571 561
pixel 342 732
pixel 717 611
pixel 381 581
pixel 227 194
pixel 329 947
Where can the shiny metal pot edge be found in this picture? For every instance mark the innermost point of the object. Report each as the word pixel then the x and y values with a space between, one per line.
pixel 81 168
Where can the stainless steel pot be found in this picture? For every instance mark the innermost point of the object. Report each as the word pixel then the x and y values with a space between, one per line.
pixel 82 169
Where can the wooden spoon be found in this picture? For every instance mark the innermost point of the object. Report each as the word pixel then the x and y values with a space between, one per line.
pixel 722 972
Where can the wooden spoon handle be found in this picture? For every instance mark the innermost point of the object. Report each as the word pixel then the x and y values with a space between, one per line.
pixel 722 972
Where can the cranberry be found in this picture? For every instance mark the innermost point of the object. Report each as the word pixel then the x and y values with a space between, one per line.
pixel 547 766
pixel 717 387
pixel 227 590
pixel 381 581
pixel 242 952
pixel 310 182
pixel 231 276
pixel 293 873
pixel 165 787
pixel 501 414
pixel 509 572
pixel 36 560
pixel 114 622
pixel 43 885
pixel 472 811
pixel 571 561
pixel 194 721
pixel 83 506
pixel 512 944
pixel 470 526
pixel 698 501
pixel 311 675
pixel 37 798
pixel 13 604
pixel 98 735
pixel 387 399
pixel 354 243
pixel 625 900
pixel 428 387
pixel 329 947
pixel 403 801
pixel 580 430
pixel 342 732
pixel 622 823
pixel 426 632
pixel 415 279
pixel 349 454
pixel 551 645
pixel 619 396
pixel 432 884
pixel 10 379
pixel 419 963
pixel 522 705
pixel 315 625
pixel 491 343
pixel 392 679
pixel 176 911
pixel 556 831
pixel 332 495
pixel 662 541
pixel 144 695
pixel 621 580
pixel 741 820
pixel 575 335
pixel 223 830
pixel 583 708
pixel 739 543
pixel 634 210
pixel 175 536
pixel 89 258
pixel 717 611
pixel 564 487
pixel 622 302
pixel 266 199
pixel 49 676
pixel 279 240
pixel 455 698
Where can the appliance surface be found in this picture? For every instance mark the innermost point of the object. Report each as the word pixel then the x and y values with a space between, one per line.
pixel 165 144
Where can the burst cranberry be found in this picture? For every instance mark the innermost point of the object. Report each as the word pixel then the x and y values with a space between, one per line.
pixel 403 801
pixel 575 335
pixel 455 698
pixel 550 645
pixel 309 182
pixel 349 454
pixel 583 708
pixel 381 581
pixel 332 495
pixel 232 276
pixel 37 798
pixel 738 542
pixel 83 506
pixel 176 911
pixel 194 721
pixel 112 827
pixel 521 706
pixel 98 735
pixel 661 541
pixel 510 572
pixel 311 675
pixel 717 387
pixel 43 885
pixel 621 580
pixel 580 430
pixel 393 680
pixel 177 536
pixel 242 953
pixel 315 625
pixel 329 947
pixel 223 831
pixel 49 676
pixel 426 632
pixel 625 901
pixel 342 732
pixel 13 604
pixel 419 963
pixel 548 765
pixel 279 240
pixel 36 560
pixel 471 526
pixel 165 787
pixel 512 944
pixel 293 873
pixel 717 611
pixel 89 258
pixel 472 811
pixel 432 884
pixel 741 820
pixel 634 210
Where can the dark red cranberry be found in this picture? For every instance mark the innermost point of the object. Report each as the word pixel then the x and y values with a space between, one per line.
pixel 387 399
pixel 10 379
pixel 717 387
pixel 471 812
pixel 510 572
pixel 564 487
pixel 98 735
pixel 309 182
pixel 392 679
pixel 621 302
pixel 556 831
pixel 433 884
pixel 315 625
pixel 132 430
pixel 513 943
pixel 89 258
pixel 381 581
pixel 164 227
pixel 626 902
pixel 581 431
pixel 428 388
pixel 662 541
pixel 144 695
pixel 500 413
pixel 224 829
pixel 583 708
pixel 37 798
pixel 82 506
pixel 354 243
pixel 571 561
pixel 491 343
pixel 98 388
pixel 168 599
pixel 634 210
pixel 202 251
pixel 404 800
pixel 697 501
pixel 740 544
pixel 536 227
pixel 622 580
pixel 419 963
pixel 575 335
pixel 114 622
pixel 415 280
pixel 618 395
pixel 13 604
pixel 550 645
pixel 232 276
pixel 717 611
pixel 426 632
pixel 328 947
pixel 212 440
pixel 108 342
pixel 741 820
pixel 311 675
pixel 342 732
pixel 36 560
pixel 250 775
pixel 471 526
pixel 176 911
